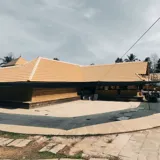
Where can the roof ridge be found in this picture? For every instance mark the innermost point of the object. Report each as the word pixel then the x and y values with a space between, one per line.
pixel 112 64
pixel 18 59
pixel 60 61
pixel 34 69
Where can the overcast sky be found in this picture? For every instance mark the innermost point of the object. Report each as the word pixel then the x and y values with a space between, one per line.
pixel 78 31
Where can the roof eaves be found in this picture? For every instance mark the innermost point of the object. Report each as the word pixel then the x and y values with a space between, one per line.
pixel 139 76
pixel 17 66
pixel 34 69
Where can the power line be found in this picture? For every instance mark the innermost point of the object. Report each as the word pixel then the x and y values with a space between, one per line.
pixel 141 37
pixel 135 42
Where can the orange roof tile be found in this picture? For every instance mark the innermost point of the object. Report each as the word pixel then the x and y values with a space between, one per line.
pixel 129 71
pixel 45 70
pixel 57 71
pixel 17 73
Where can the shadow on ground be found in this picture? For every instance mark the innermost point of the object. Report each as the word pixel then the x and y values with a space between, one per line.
pixel 68 123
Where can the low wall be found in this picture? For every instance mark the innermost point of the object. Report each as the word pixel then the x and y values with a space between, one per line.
pixel 25 97
pixel 51 94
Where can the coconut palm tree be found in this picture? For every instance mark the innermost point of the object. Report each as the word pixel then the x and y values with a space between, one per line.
pixel 158 67
pixel 131 58
pixel 148 59
pixel 7 59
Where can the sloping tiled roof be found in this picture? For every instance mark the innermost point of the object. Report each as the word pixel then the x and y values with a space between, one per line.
pixel 17 73
pixel 15 62
pixel 129 71
pixel 57 71
pixel 45 70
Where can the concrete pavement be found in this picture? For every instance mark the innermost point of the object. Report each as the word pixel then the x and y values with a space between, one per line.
pixel 82 118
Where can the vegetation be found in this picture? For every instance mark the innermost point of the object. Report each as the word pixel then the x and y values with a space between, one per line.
pixel 45 155
pixel 131 58
pixel 154 59
pixel 119 60
pixel 12 135
pixel 6 59
pixel 148 59
pixel 56 59
pixel 158 66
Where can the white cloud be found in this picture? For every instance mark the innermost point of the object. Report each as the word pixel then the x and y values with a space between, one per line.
pixel 90 13
pixel 79 31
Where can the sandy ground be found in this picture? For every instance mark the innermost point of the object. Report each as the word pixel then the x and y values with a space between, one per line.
pixel 82 118
pixel 75 108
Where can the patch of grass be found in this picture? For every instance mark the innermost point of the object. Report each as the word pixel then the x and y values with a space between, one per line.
pixel 49 136
pixel 12 135
pixel 44 155
pixel 78 155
